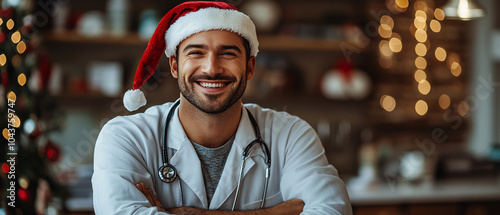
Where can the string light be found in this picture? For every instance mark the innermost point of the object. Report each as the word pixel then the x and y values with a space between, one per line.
pixel 388 103
pixel 10 24
pixel 444 101
pixel 421 107
pixel 21 79
pixel 16 37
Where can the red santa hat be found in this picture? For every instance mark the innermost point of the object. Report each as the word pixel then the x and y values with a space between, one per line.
pixel 178 24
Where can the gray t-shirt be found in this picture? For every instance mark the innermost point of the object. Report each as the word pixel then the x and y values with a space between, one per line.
pixel 212 163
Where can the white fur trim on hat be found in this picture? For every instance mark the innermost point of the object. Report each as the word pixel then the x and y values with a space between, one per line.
pixel 211 19
pixel 134 99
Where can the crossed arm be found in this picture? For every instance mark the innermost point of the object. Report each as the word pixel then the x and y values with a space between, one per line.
pixel 293 206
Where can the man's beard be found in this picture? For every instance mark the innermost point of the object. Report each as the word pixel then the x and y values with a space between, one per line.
pixel 234 95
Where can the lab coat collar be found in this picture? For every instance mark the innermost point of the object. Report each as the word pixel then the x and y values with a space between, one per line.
pixel 189 166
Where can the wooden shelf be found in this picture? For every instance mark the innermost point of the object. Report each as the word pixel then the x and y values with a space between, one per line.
pixel 75 37
pixel 267 42
pixel 287 43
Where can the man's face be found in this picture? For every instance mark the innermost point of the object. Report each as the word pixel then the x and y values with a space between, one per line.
pixel 212 70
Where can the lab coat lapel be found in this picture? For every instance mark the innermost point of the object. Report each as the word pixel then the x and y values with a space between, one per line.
pixel 185 160
pixel 230 175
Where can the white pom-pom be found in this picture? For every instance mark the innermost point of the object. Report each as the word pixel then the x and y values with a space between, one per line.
pixel 134 99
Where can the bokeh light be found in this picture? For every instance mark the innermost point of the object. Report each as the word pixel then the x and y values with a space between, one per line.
pixel 387 20
pixel 439 14
pixel 385 31
pixel 384 48
pixel 424 87
pixel 421 14
pixel 395 44
pixel 16 122
pixel 440 54
pixel 21 47
pixel 420 75
pixel 388 103
pixel 456 69
pixel 421 49
pixel 420 63
pixel 420 35
pixel 21 79
pixel 1 21
pixel 421 107
pixel 12 97
pixel 3 59
pixel 23 182
pixel 6 133
pixel 10 24
pixel 402 3
pixel 16 37
pixel 444 101
pixel 435 26
pixel 419 22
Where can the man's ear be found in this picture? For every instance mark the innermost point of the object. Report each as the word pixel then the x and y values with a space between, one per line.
pixel 173 66
pixel 250 67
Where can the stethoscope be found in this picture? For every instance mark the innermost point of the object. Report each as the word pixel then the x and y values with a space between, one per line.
pixel 168 173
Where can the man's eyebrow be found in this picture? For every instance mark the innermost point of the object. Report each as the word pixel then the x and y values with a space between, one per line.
pixel 233 47
pixel 190 46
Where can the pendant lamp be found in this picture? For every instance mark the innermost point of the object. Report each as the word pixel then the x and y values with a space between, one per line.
pixel 462 10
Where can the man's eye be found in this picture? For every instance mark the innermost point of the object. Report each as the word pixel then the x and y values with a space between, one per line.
pixel 229 53
pixel 194 53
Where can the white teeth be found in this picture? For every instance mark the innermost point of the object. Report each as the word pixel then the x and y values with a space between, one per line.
pixel 211 85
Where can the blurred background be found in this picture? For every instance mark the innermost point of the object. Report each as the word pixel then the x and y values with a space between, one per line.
pixel 402 93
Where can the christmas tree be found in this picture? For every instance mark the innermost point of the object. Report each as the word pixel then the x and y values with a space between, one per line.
pixel 26 152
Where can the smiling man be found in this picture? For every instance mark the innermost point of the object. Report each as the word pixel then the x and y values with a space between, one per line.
pixel 208 153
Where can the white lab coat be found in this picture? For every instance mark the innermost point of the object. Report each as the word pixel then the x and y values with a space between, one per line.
pixel 128 151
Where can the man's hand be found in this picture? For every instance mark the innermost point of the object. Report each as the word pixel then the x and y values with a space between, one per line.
pixel 150 196
pixel 290 207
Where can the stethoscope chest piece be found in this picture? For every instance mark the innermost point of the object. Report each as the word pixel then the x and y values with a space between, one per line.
pixel 167 173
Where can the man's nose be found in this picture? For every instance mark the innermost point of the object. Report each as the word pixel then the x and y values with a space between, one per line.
pixel 211 64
